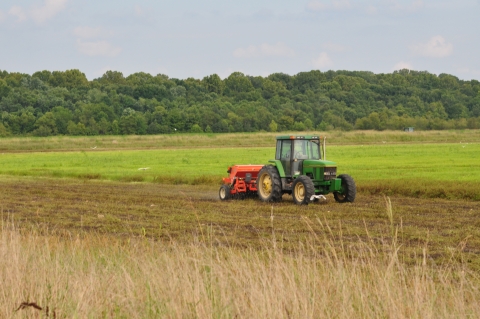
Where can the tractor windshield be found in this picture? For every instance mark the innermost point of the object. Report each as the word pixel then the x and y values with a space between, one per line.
pixel 306 149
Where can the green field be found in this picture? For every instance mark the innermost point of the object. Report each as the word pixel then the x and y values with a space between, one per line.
pixel 441 162
pixel 407 168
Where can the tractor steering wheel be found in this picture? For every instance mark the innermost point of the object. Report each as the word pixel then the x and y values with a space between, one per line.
pixel 298 154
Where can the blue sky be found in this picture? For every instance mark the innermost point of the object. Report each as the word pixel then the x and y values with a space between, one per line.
pixel 185 38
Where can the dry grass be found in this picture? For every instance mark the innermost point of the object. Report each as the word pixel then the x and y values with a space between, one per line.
pixel 96 276
pixel 262 139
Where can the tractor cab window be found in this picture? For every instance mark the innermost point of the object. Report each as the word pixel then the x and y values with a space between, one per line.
pixel 284 150
pixel 305 149
pixel 284 154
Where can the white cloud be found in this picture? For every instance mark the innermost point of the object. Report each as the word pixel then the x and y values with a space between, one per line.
pixel 341 4
pixel 18 12
pixel 264 50
pixel 279 49
pixel 334 47
pixel 318 5
pixel 48 11
pixel 417 4
pixel 249 52
pixel 322 61
pixel 436 47
pixel 413 6
pixel 90 33
pixel 87 46
pixel 402 65
pixel 39 14
pixel 98 48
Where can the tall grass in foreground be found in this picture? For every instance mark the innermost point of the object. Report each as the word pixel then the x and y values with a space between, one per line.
pixel 92 276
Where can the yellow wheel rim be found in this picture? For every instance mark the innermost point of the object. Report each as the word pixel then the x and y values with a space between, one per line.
pixel 265 185
pixel 299 192
pixel 222 193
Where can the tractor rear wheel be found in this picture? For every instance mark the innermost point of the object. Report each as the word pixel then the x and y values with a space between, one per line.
pixel 269 186
pixel 348 192
pixel 224 192
pixel 302 190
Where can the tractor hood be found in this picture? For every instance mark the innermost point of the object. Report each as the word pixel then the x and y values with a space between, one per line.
pixel 318 163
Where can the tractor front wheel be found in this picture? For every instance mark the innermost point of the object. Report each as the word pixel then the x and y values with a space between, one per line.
pixel 348 192
pixel 302 190
pixel 224 192
pixel 269 185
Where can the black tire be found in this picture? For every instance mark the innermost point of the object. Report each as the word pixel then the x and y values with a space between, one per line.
pixel 224 192
pixel 302 190
pixel 269 186
pixel 349 190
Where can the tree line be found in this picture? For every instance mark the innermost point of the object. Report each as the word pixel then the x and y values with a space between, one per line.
pixel 66 103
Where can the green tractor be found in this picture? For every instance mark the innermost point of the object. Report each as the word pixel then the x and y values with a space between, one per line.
pixel 300 169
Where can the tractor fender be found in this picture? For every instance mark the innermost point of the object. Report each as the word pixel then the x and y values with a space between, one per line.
pixel 279 167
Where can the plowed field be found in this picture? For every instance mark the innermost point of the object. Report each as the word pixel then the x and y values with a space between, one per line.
pixel 447 230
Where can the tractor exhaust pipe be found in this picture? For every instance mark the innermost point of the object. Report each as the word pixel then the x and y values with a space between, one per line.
pixel 324 148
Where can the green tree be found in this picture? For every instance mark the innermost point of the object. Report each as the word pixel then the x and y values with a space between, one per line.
pixel 196 129
pixel 43 75
pixel 128 124
pixel 113 77
pixel 273 126
pixel 311 80
pixel 308 124
pixel 132 122
pixel 62 117
pixel 45 125
pixel 3 131
pixel 237 82
pixel 26 122
pixel 283 78
pixel 115 127
pixel 271 88
pixel 299 126
pixel 76 129
pixel 285 122
pixel 213 83
pixel 68 79
pixel 329 100
pixel 4 88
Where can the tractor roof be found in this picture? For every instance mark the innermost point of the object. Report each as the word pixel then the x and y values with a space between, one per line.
pixel 298 137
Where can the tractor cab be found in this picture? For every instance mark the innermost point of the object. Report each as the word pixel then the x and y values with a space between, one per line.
pixel 292 151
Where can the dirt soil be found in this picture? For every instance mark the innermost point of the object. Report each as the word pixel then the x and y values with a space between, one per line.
pixel 446 230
